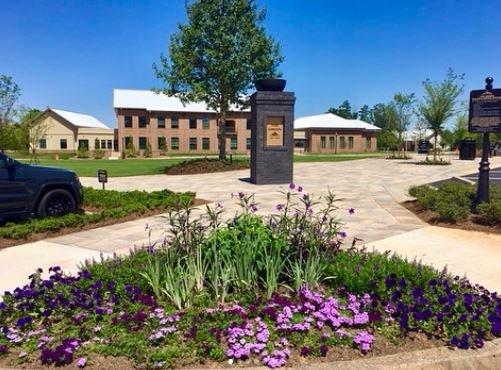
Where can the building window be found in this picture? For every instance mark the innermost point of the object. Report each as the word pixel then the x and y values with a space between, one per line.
pixel 162 143
pixel 142 121
pixel 42 144
pixel 342 142
pixel 110 144
pixel 350 142
pixel 230 127
pixel 161 122
pixel 368 143
pixel 332 141
pixel 322 142
pixel 63 144
pixel 248 143
pixel 193 143
pixel 174 122
pixel 205 143
pixel 193 123
pixel 248 124
pixel 142 142
pixel 83 144
pixel 103 144
pixel 128 142
pixel 128 121
pixel 233 143
pixel 205 123
pixel 174 143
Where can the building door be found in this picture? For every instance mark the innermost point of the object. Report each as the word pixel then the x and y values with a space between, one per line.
pixel 13 188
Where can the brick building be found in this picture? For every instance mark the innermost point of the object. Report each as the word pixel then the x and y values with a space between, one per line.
pixel 169 126
pixel 330 134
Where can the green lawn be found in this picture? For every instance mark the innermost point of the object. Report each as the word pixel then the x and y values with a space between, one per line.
pixel 137 167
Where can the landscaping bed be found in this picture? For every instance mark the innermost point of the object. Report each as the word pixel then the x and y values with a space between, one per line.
pixel 276 290
pixel 450 204
pixel 207 165
pixel 100 208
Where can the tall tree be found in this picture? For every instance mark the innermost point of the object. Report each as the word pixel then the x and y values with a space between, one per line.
pixel 217 55
pixel 385 117
pixel 9 93
pixel 365 114
pixel 404 106
pixel 439 103
pixel 344 110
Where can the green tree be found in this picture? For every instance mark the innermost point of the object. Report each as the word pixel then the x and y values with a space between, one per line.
pixel 344 110
pixel 404 106
pixel 439 103
pixel 217 56
pixel 365 114
pixel 385 117
pixel 9 94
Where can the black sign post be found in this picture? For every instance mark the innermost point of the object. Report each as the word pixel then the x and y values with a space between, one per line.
pixel 102 176
pixel 485 117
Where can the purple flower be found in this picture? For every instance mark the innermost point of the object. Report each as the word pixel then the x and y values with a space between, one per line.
pixel 342 234
pixel 81 362
pixel 3 349
pixel 323 350
pixel 364 340
pixel 241 195
pixel 351 211
pixel 305 351
pixel 253 208
pixel 300 188
pixel 292 186
pixel 280 207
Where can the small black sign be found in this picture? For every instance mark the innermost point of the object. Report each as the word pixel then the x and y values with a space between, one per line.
pixel 485 111
pixel 102 176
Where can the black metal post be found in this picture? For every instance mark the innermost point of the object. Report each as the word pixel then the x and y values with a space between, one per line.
pixel 483 170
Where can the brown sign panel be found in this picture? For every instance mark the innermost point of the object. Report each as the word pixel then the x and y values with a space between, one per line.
pixel 275 131
pixel 485 111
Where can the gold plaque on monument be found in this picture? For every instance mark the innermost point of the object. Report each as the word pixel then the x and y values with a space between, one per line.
pixel 275 131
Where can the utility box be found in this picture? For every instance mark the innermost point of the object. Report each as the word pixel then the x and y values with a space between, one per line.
pixel 272 137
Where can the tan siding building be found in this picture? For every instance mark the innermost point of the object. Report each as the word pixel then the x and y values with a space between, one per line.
pixel 168 126
pixel 331 134
pixel 56 130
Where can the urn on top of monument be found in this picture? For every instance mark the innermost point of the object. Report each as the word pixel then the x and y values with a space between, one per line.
pixel 270 84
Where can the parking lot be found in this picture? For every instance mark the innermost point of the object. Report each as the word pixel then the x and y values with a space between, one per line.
pixel 494 176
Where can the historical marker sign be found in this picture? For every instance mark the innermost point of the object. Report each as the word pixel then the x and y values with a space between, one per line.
pixel 485 111
pixel 275 131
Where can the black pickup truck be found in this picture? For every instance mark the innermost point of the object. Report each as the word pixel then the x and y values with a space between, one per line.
pixel 36 191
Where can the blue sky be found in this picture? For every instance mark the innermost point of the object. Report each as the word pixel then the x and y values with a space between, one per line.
pixel 72 54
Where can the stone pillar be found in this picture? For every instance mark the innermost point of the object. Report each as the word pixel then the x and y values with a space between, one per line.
pixel 272 150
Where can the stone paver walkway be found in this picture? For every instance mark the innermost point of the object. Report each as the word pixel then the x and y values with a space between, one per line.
pixel 374 187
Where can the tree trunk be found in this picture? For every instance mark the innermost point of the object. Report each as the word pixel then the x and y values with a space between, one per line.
pixel 221 134
pixel 435 135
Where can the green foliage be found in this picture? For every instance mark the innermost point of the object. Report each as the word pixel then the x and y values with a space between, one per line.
pixel 98 154
pixel 440 102
pixel 403 105
pixel 218 54
pixel 147 152
pixel 82 152
pixel 111 205
pixel 452 201
pixel 491 211
pixel 345 110
pixel 130 150
pixel 9 94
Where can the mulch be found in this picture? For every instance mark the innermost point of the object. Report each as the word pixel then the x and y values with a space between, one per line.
pixel 5 242
pixel 473 222
pixel 194 167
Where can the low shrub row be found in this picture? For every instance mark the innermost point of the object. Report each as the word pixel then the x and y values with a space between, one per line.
pixel 106 205
pixel 453 202
pixel 207 165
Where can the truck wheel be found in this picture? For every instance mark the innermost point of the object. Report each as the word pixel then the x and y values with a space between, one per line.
pixel 57 202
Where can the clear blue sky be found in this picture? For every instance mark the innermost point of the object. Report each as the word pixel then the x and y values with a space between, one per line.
pixel 72 54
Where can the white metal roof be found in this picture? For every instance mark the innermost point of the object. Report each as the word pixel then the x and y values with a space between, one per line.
pixel 80 120
pixel 151 101
pixel 330 120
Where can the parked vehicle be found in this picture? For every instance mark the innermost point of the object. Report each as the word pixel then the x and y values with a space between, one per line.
pixel 29 190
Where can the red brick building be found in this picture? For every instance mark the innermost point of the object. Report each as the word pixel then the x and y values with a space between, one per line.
pixel 146 118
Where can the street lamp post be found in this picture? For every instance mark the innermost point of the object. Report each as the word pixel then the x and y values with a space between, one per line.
pixel 483 170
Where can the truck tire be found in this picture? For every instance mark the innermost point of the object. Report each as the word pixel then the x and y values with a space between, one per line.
pixel 56 202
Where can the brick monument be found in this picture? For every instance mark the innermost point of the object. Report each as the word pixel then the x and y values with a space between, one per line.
pixel 272 134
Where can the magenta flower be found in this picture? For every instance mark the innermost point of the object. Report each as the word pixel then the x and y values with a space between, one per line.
pixel 81 362
pixel 300 188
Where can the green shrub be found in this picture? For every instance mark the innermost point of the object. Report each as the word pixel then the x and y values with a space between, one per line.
pixel 452 201
pixel 82 153
pixel 98 154
pixel 490 212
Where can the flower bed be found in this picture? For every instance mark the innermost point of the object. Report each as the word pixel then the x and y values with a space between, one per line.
pixel 270 290
pixel 105 205
pixel 206 165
